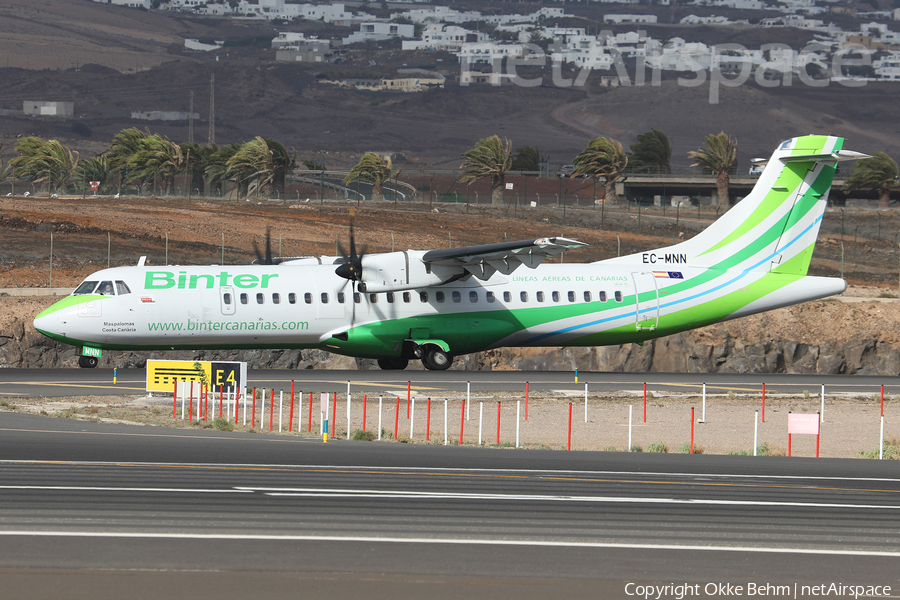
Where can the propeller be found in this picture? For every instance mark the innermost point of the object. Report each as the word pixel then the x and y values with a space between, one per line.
pixel 351 268
pixel 267 259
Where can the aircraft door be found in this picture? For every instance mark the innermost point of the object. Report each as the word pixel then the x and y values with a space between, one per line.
pixel 646 300
pixel 227 300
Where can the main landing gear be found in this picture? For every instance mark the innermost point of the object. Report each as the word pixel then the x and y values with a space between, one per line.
pixel 88 362
pixel 437 360
pixel 433 358
pixel 392 364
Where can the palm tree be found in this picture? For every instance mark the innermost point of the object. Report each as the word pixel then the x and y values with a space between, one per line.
pixel 94 169
pixel 45 162
pixel 489 158
pixel 284 163
pixel 528 158
pixel 879 173
pixel 604 158
pixel 125 144
pixel 373 169
pixel 253 159
pixel 719 156
pixel 651 152
pixel 157 157
pixel 196 158
pixel 217 166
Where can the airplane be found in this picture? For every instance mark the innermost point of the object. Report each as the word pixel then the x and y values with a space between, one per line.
pixel 438 304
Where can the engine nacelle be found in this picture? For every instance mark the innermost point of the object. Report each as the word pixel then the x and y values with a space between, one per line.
pixel 399 271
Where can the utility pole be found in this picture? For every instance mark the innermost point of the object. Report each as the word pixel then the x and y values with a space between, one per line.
pixel 191 120
pixel 212 109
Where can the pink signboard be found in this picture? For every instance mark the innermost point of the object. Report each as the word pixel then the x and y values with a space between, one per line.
pixel 800 423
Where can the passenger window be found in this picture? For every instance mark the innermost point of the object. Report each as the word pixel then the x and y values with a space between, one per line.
pixel 456 296
pixel 406 297
pixel 473 296
pixel 571 296
pixel 244 298
pixel 602 296
pixel 439 296
pixel 86 287
pixel 260 298
pixel 507 297
pixel 423 297
pixel 122 288
pixel 540 296
pixel 292 298
pixel 489 296
pixel 357 297
pixel 618 296
pixel 523 296
pixel 555 296
pixel 226 298
pixel 373 298
pixel 276 298
pixel 390 297
pixel 106 289
pixel 307 297
pixel 587 296
pixel 340 297
pixel 324 298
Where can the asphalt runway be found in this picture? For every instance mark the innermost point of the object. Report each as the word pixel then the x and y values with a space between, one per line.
pixel 69 382
pixel 91 510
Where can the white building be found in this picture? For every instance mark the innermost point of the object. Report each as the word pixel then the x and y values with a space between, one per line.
pixel 448 38
pixel 374 31
pixel 619 19
pixel 48 109
pixel 488 52
pixel 887 68
pixel 129 3
pixel 710 20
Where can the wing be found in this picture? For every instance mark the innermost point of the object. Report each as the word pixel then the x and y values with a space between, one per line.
pixel 484 260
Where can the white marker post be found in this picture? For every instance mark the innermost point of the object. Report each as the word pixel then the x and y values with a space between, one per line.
pixel 280 408
pixel 468 397
pixel 262 412
pixel 480 419
pixel 323 412
pixel 445 422
pixel 379 417
pixel 755 431
pixel 585 401
pixel 245 405
pixel 182 403
pixel 703 419
pixel 822 412
pixel 881 441
pixel 518 420
pixel 348 410
pixel 412 417
pixel 300 412
pixel 630 412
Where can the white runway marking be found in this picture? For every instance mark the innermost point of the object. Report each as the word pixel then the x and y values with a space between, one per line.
pixel 449 541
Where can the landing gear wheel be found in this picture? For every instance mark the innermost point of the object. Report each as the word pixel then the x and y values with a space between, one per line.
pixel 87 362
pixel 392 364
pixel 437 360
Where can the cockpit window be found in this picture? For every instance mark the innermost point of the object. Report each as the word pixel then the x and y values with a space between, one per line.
pixel 86 287
pixel 122 288
pixel 106 289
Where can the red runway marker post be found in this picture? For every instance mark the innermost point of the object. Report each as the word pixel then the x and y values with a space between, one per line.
pixel 365 400
pixel 569 441
pixel 220 401
pixel 253 411
pixel 309 426
pixel 882 401
pixel 462 421
pixel 408 396
pixel 428 422
pixel 234 391
pixel 645 402
pixel 174 398
pixel 396 418
pixel 334 416
pixel 498 423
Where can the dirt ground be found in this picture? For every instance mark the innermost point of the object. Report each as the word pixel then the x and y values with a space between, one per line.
pixel 851 426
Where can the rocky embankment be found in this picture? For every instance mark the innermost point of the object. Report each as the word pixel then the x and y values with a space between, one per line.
pixel 849 335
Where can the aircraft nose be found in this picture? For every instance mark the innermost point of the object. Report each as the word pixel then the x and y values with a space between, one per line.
pixel 48 321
